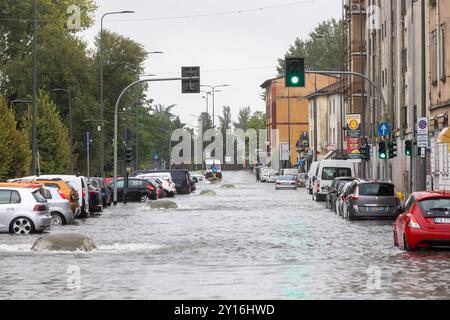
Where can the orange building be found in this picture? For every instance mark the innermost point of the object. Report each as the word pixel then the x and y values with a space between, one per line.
pixel 280 100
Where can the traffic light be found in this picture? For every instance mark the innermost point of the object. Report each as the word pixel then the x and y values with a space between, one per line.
pixel 382 151
pixel 295 72
pixel 408 148
pixel 129 154
pixel 393 149
pixel 365 152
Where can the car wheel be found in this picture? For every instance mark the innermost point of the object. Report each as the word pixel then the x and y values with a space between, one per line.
pixel 21 226
pixel 58 219
pixel 406 246
pixel 144 198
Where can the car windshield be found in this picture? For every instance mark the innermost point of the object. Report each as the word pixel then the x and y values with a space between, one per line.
pixel 376 189
pixel 38 196
pixel 435 207
pixel 286 178
pixel 332 173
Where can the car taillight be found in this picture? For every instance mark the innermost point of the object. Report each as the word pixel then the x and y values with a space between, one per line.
pixel 62 195
pixel 40 207
pixel 293 183
pixel 355 197
pixel 413 224
pixel 278 183
pixel 150 187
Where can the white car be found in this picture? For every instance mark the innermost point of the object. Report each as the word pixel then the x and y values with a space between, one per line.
pixel 272 177
pixel 59 208
pixel 165 179
pixel 23 211
pixel 327 171
pixel 197 177
pixel 286 182
pixel 80 184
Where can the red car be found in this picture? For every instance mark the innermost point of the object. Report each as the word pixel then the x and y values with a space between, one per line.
pixel 424 222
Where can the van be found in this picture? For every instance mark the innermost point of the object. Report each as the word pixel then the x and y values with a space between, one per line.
pixel 327 171
pixel 181 178
pixel 79 183
pixel 311 176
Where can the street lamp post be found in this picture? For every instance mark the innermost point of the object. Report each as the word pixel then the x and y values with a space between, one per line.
pixel 102 107
pixel 213 90
pixel 70 126
pixel 34 146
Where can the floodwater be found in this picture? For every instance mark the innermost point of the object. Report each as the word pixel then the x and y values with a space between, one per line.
pixel 251 242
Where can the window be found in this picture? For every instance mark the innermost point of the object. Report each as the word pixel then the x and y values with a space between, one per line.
pixel 332 173
pixel 134 183
pixel 15 197
pixel 48 194
pixel 38 197
pixel 5 196
pixel 409 203
pixel 434 59
pixel 376 189
pixel 442 56
pixel 120 184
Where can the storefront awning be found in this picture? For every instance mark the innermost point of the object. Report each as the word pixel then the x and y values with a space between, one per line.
pixel 444 136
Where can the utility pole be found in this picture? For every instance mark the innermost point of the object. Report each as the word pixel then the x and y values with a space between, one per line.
pixel 315 118
pixel 422 162
pixel 88 154
pixel 34 147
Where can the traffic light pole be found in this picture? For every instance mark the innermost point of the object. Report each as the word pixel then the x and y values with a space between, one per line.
pixel 88 154
pixel 116 120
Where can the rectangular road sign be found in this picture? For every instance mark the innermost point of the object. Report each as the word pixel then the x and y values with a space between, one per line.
pixel 190 85
pixel 422 141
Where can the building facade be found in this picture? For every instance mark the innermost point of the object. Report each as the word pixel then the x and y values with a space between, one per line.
pixel 287 111
pixel 439 51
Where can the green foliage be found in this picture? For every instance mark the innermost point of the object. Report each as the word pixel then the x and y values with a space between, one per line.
pixel 322 50
pixel 243 118
pixel 53 137
pixel 15 153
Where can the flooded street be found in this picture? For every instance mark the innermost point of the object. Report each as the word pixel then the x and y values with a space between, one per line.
pixel 244 243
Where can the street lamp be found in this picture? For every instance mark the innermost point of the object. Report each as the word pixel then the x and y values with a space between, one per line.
pixel 70 124
pixel 206 96
pixel 102 107
pixel 213 90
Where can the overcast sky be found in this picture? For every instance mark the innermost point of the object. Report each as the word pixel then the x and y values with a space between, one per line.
pixel 236 49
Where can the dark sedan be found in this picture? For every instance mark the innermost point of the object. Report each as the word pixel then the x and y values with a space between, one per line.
pixel 333 191
pixel 139 190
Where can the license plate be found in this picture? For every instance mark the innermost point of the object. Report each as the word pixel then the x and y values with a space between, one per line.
pixel 375 209
pixel 442 220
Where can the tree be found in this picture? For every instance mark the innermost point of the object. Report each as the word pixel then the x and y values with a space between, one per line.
pixel 243 117
pixel 15 153
pixel 53 137
pixel 322 50
pixel 205 121
pixel 225 120
pixel 257 121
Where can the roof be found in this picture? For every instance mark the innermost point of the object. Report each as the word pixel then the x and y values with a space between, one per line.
pixel 328 90
pixel 423 195
pixel 267 83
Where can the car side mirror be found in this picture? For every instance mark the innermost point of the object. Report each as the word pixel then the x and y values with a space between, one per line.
pixel 400 209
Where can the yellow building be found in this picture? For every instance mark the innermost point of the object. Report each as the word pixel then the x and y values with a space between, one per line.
pixel 287 109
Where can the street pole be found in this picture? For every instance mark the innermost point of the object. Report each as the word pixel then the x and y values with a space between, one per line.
pixel 88 142
pixel 289 126
pixel 315 118
pixel 138 103
pixel 116 120
pixel 213 107
pixel 102 106
pixel 34 97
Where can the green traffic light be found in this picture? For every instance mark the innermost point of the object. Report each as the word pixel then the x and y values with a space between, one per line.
pixel 295 80
pixel 382 156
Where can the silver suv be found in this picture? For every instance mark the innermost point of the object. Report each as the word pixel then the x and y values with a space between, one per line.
pixel 23 211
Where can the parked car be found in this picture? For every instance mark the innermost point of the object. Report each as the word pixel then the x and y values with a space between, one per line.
pixel 95 200
pixel 371 200
pixel 164 179
pixel 197 177
pixel 139 190
pixel 79 183
pixel 342 194
pixel 301 180
pixel 106 193
pixel 333 191
pixel 66 191
pixel 179 177
pixel 311 177
pixel 272 177
pixel 290 172
pixel 286 182
pixel 23 211
pixel 59 207
pixel 327 171
pixel 424 222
